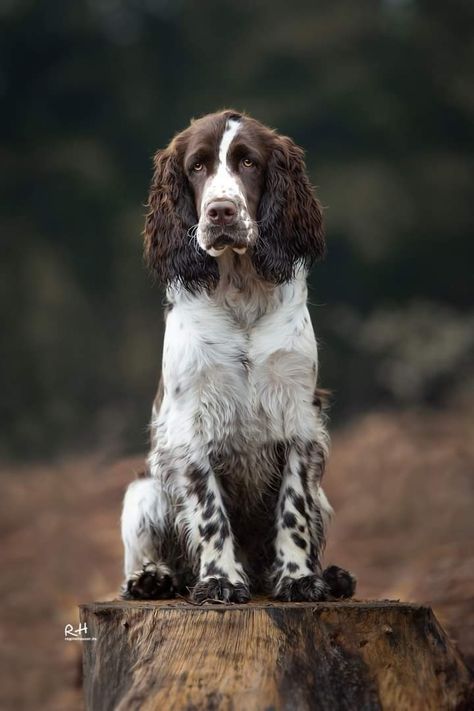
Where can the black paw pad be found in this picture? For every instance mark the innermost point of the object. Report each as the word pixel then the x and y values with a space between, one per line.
pixel 153 582
pixel 310 588
pixel 220 589
pixel 340 582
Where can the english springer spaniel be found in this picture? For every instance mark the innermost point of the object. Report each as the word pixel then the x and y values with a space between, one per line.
pixel 232 499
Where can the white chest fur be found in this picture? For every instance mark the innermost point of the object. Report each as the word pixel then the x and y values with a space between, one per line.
pixel 238 375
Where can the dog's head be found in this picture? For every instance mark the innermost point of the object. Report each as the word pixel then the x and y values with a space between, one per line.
pixel 230 183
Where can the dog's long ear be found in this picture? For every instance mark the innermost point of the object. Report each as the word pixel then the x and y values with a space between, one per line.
pixel 170 249
pixel 290 217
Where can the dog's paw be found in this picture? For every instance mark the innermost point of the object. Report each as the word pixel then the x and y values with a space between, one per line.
pixel 309 588
pixel 220 589
pixel 341 583
pixel 153 582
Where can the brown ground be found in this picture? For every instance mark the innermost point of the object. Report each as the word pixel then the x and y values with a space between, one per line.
pixel 402 486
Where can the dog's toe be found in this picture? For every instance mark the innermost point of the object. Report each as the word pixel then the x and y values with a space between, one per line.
pixel 153 582
pixel 341 583
pixel 220 589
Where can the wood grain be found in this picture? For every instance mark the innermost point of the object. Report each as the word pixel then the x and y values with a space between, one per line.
pixel 267 656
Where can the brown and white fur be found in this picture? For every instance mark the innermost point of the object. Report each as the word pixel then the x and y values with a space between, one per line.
pixel 232 499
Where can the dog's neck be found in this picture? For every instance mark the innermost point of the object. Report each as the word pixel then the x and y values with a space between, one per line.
pixel 244 294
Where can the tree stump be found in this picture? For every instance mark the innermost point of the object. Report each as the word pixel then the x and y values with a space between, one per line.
pixel 269 656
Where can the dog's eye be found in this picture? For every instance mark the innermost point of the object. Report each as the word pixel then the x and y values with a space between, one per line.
pixel 197 167
pixel 247 163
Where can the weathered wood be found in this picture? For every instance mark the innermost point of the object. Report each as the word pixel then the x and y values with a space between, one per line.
pixel 265 656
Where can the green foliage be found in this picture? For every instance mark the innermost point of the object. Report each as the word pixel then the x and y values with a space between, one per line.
pixel 378 93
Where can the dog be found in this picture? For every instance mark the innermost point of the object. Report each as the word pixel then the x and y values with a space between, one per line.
pixel 231 502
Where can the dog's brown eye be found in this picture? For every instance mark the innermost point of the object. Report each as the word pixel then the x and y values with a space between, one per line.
pixel 247 163
pixel 197 167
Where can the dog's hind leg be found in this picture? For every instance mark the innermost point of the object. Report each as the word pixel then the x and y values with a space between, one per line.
pixel 147 534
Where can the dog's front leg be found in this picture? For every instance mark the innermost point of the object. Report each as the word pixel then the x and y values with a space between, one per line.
pixel 301 520
pixel 203 520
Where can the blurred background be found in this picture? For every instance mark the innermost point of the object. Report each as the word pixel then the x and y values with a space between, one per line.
pixel 379 93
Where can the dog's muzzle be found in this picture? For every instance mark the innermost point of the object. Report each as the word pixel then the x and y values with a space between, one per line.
pixel 224 227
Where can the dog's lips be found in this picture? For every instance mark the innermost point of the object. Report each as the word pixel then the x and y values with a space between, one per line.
pixel 216 252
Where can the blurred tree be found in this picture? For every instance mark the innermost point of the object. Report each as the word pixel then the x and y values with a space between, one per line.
pixel 378 92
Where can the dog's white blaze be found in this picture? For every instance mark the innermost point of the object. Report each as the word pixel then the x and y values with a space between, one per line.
pixel 223 183
pixel 230 133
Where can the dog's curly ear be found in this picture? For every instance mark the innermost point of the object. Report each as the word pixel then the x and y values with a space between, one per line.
pixel 170 249
pixel 290 217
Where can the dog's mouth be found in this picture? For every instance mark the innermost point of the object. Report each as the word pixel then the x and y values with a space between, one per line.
pixel 217 241
pixel 224 242
pixel 213 252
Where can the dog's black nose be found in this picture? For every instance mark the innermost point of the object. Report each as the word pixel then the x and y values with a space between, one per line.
pixel 222 212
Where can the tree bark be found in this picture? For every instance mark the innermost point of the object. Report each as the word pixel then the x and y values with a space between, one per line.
pixel 268 656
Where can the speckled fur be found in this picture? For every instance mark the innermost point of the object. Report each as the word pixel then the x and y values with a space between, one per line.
pixel 233 498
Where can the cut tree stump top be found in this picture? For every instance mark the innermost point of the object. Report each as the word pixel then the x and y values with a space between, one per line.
pixel 267 656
